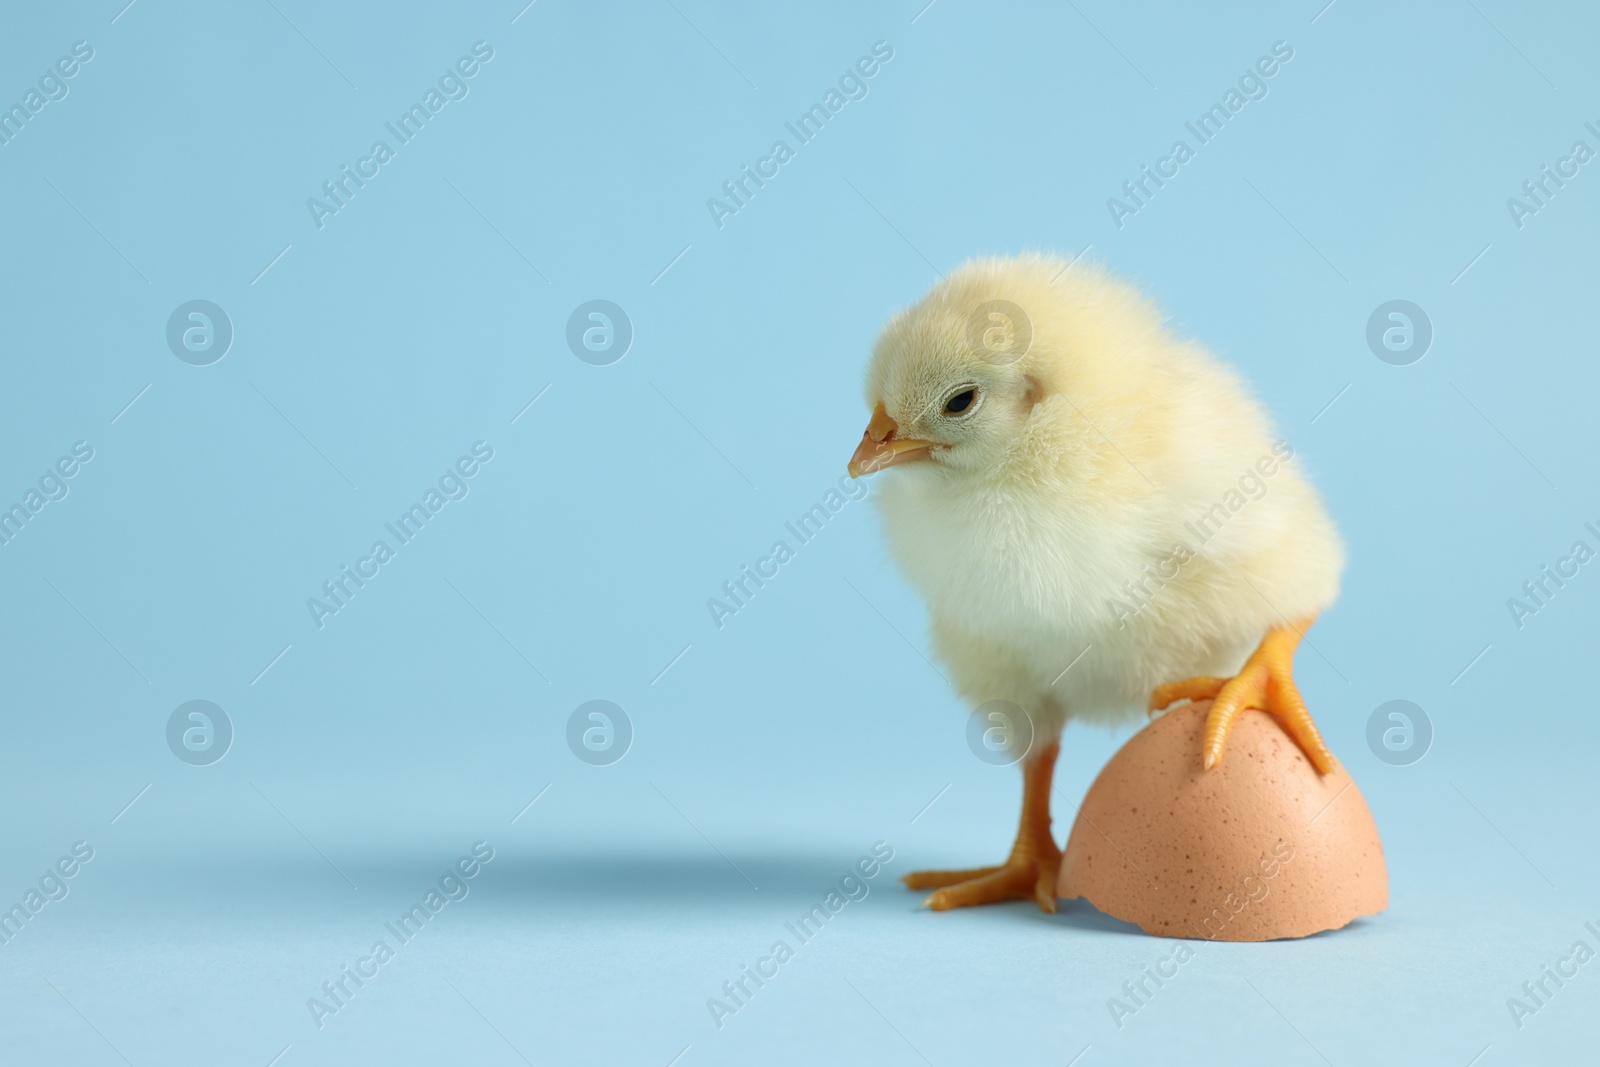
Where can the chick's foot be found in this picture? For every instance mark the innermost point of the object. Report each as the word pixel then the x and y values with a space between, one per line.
pixel 1265 682
pixel 1028 874
pixel 1030 871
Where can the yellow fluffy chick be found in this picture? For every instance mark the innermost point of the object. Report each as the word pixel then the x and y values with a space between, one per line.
pixel 1099 516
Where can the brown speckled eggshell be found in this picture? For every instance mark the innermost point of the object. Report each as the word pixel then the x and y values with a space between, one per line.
pixel 1186 852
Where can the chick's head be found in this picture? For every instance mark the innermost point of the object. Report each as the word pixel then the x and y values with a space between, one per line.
pixel 951 383
pixel 1029 364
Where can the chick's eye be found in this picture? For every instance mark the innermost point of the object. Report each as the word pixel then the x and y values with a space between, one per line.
pixel 960 402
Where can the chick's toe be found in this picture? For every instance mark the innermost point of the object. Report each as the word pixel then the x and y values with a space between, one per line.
pixel 1266 682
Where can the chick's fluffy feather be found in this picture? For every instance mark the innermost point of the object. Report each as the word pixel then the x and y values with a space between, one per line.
pixel 1092 459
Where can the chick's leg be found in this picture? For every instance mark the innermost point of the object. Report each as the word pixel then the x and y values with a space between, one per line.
pixel 1030 871
pixel 1266 682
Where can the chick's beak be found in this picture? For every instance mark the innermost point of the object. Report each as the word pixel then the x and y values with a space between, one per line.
pixel 880 447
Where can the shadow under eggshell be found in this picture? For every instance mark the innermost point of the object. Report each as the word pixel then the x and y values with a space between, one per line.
pixel 1257 848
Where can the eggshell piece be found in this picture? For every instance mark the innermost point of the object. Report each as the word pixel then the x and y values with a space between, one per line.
pixel 1259 847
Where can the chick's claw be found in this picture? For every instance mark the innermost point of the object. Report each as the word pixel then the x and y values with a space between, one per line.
pixel 1266 682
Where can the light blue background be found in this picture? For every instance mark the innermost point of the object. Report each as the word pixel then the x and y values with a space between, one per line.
pixel 776 750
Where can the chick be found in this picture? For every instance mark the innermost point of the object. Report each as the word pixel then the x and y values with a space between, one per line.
pixel 1100 518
